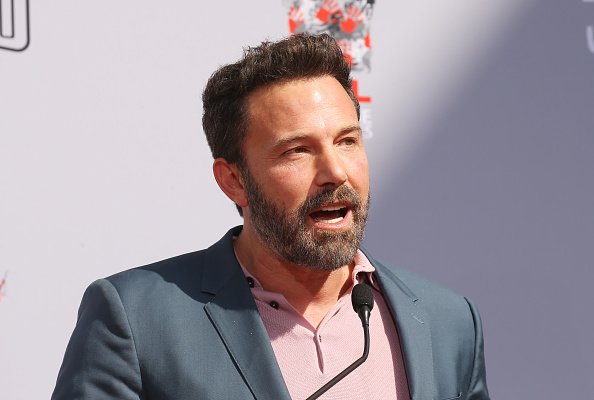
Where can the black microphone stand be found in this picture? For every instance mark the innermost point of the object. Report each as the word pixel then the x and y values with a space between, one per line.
pixel 362 303
pixel 347 370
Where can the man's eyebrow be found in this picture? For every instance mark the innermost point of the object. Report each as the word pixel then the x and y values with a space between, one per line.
pixel 352 128
pixel 289 140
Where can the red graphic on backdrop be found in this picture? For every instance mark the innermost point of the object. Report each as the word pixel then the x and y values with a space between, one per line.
pixel 329 12
pixel 347 21
pixel 354 18
pixel 295 20
pixel 362 99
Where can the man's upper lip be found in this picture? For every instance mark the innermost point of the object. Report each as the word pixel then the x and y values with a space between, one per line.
pixel 332 206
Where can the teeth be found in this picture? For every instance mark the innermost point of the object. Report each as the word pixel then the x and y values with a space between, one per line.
pixel 332 208
pixel 333 221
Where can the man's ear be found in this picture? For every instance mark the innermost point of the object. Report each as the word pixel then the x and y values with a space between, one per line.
pixel 229 180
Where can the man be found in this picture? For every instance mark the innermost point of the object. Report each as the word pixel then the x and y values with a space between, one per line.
pixel 265 312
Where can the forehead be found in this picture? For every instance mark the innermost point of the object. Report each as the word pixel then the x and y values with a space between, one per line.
pixel 300 104
pixel 323 82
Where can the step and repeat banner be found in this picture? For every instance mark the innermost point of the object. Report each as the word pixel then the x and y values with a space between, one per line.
pixel 479 125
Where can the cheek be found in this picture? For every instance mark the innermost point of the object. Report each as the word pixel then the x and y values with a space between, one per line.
pixel 289 186
pixel 359 173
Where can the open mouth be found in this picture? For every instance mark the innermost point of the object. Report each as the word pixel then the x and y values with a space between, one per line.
pixel 330 214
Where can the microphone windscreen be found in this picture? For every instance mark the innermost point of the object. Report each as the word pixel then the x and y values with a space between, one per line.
pixel 362 296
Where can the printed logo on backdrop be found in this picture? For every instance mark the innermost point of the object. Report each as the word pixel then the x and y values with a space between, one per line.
pixel 14 24
pixel 3 286
pixel 590 31
pixel 349 22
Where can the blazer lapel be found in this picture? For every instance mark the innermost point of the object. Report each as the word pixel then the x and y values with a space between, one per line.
pixel 234 315
pixel 414 333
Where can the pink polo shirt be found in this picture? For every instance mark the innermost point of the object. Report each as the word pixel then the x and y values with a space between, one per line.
pixel 310 357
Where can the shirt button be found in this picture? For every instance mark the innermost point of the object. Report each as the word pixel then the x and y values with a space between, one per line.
pixel 250 281
pixel 274 305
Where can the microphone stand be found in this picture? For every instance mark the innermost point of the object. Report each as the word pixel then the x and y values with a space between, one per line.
pixel 348 369
pixel 362 298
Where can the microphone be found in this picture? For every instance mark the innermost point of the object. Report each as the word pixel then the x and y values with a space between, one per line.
pixel 362 299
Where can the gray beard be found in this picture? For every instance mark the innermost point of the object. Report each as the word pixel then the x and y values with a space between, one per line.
pixel 287 233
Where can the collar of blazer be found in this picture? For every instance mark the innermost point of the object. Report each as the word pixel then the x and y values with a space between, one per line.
pixel 234 315
pixel 414 332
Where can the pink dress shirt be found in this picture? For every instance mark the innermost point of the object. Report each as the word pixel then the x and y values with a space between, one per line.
pixel 310 357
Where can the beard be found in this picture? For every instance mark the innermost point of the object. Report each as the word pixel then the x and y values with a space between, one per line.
pixel 287 234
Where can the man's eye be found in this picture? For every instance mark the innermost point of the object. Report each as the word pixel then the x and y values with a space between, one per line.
pixel 349 141
pixel 296 150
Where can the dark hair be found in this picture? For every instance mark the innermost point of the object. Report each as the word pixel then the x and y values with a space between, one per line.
pixel 224 99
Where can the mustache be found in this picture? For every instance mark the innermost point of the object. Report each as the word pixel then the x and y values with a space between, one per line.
pixel 330 195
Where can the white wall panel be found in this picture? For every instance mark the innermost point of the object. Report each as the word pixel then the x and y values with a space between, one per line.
pixel 481 159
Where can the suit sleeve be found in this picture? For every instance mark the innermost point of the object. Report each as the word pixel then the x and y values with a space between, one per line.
pixel 100 361
pixel 478 381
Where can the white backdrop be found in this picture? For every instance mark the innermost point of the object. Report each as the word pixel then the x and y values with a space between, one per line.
pixel 482 166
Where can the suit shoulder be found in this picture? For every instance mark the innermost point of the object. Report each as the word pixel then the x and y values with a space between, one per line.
pixel 433 295
pixel 416 283
pixel 178 265
pixel 158 284
pixel 192 276
pixel 182 269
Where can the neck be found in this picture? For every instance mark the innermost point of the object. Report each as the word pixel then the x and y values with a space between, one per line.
pixel 312 292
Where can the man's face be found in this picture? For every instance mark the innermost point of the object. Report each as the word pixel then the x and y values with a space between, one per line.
pixel 306 174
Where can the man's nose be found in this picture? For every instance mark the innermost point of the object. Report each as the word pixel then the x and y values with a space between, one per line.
pixel 330 169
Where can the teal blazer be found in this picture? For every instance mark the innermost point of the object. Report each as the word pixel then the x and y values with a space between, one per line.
pixel 188 328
